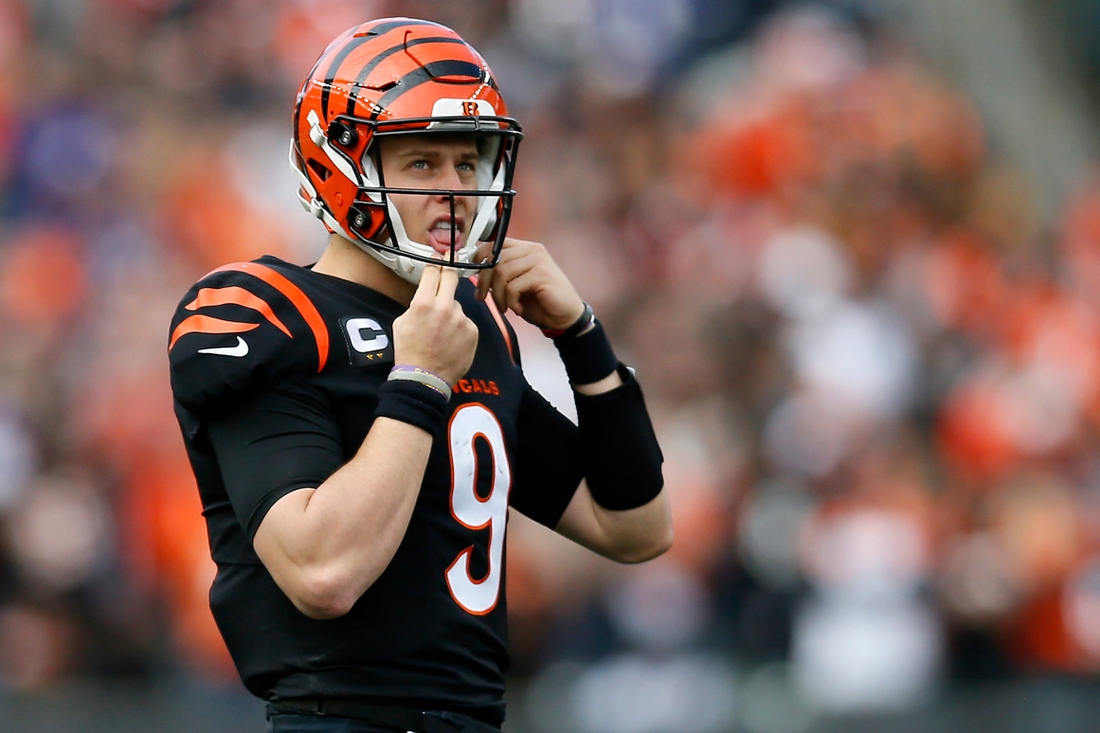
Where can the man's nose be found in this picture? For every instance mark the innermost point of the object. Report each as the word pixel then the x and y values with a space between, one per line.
pixel 449 179
pixel 448 176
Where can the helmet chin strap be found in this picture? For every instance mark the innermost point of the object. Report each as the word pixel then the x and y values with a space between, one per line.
pixel 407 269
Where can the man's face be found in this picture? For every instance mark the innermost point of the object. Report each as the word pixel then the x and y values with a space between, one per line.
pixel 432 161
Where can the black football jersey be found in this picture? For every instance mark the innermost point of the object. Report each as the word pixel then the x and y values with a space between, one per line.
pixel 272 341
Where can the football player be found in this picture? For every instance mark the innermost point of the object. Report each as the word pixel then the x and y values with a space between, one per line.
pixel 360 428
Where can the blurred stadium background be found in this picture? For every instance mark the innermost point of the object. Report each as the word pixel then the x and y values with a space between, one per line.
pixel 852 248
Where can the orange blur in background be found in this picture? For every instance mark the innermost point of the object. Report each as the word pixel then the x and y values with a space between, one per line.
pixel 872 364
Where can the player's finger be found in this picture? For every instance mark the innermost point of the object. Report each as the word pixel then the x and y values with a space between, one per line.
pixel 484 281
pixel 429 283
pixel 484 277
pixel 511 249
pixel 498 289
pixel 518 245
pixel 518 287
pixel 506 272
pixel 514 292
pixel 448 282
pixel 484 252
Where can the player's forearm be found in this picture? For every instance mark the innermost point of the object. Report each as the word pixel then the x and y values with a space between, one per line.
pixel 627 536
pixel 343 534
pixel 621 509
pixel 606 384
pixel 636 535
pixel 359 515
pixel 617 446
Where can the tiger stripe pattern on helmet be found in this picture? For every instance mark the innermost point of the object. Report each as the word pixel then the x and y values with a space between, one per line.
pixel 394 80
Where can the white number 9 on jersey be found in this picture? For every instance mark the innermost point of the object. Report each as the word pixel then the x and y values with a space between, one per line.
pixel 470 422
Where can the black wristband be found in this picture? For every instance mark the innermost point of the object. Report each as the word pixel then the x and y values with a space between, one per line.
pixel 413 403
pixel 588 357
pixel 621 457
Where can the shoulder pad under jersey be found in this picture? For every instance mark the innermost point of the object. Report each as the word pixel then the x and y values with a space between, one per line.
pixel 240 328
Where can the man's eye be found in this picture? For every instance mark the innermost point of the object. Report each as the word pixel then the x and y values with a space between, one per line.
pixel 420 164
pixel 467 167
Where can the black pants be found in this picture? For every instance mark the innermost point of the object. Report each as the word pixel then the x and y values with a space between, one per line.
pixel 279 721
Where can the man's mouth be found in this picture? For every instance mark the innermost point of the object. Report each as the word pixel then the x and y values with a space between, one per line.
pixel 441 231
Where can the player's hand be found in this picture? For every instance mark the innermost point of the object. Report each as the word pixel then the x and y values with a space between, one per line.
pixel 528 281
pixel 434 333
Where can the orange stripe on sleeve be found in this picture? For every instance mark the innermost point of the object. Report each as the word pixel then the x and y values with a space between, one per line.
pixel 236 296
pixel 207 324
pixel 295 295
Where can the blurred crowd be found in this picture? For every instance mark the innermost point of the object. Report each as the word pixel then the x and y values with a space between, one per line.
pixel 874 370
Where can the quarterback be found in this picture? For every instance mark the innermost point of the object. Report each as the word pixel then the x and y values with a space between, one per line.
pixel 360 428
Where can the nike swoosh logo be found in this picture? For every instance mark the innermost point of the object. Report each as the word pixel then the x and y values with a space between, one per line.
pixel 239 350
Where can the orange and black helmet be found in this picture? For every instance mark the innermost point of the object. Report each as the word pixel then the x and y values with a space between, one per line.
pixel 397 76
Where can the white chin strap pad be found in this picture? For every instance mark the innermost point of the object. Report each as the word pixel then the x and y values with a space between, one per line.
pixel 486 217
pixel 411 269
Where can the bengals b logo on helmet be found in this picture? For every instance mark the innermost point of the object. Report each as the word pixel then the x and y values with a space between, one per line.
pixel 397 76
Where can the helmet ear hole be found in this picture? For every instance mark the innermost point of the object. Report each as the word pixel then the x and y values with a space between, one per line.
pixel 319 169
pixel 343 135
